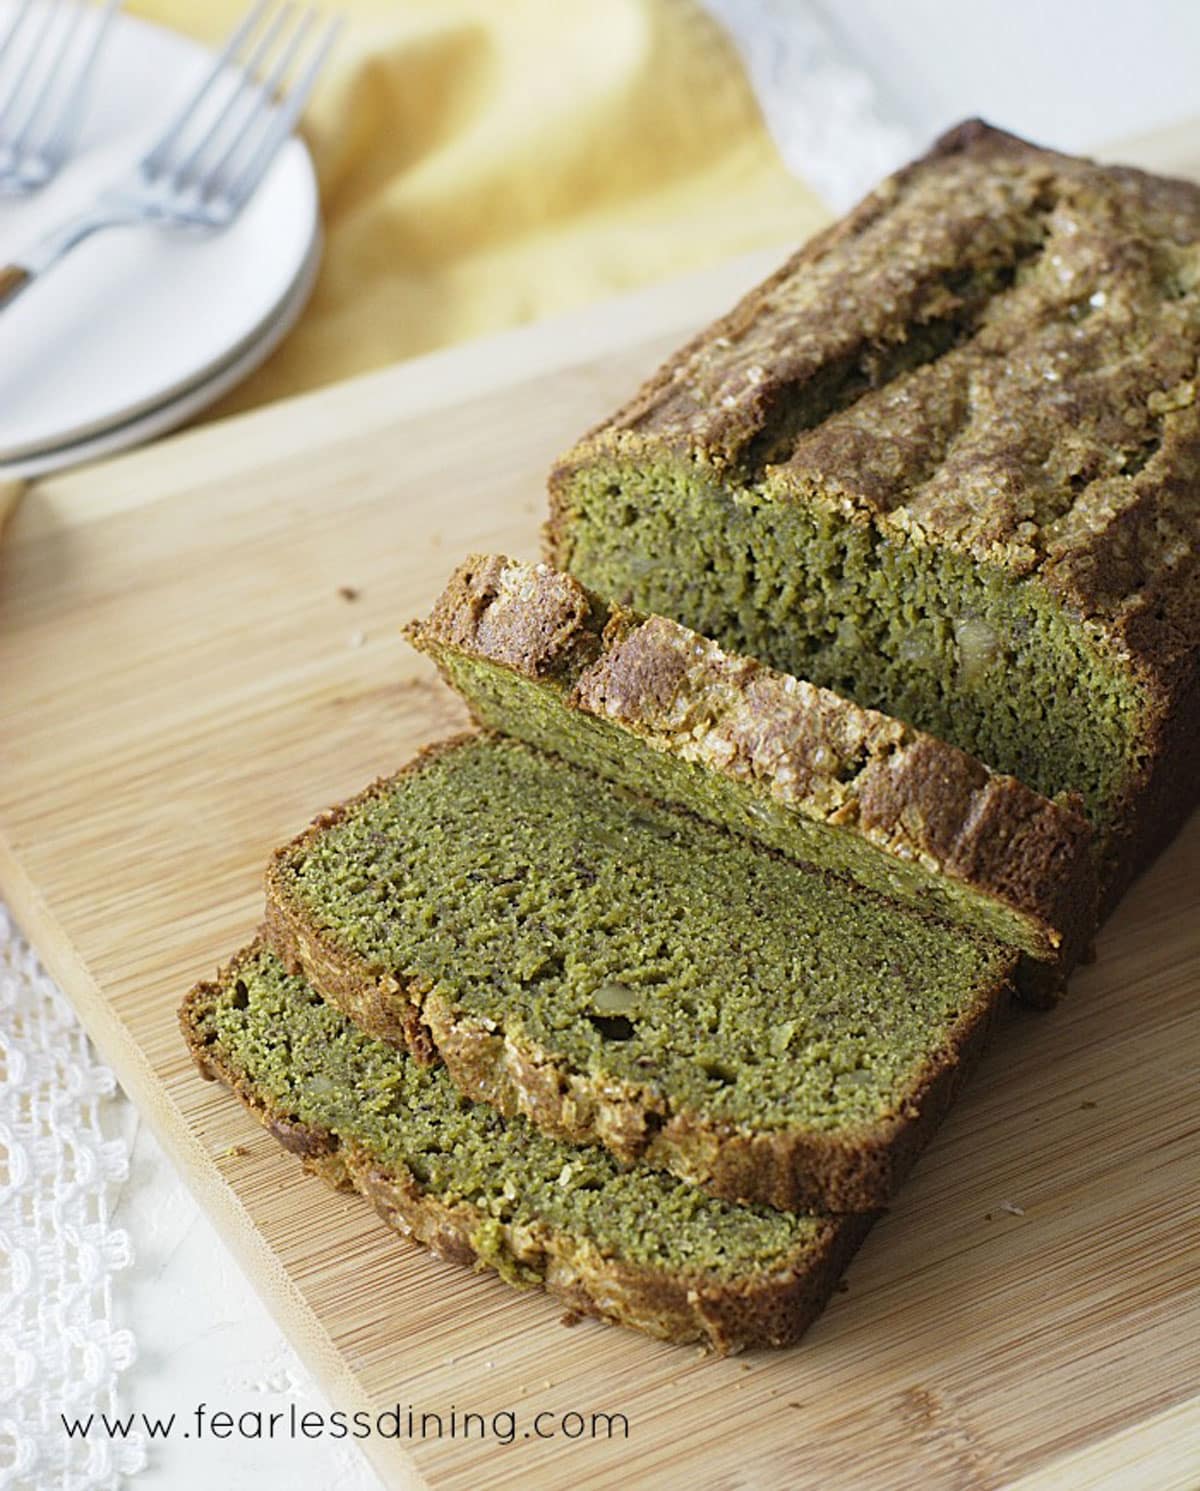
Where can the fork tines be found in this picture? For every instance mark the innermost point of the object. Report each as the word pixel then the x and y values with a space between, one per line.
pixel 47 57
pixel 245 106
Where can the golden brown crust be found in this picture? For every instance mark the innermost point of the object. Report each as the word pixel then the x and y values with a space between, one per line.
pixel 762 1309
pixel 996 352
pixel 1009 442
pixel 525 617
pixel 793 1170
pixel 911 796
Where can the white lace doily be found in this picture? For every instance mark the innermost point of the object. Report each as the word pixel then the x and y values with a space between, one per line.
pixel 59 1352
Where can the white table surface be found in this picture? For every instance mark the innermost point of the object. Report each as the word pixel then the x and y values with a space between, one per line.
pixel 1066 71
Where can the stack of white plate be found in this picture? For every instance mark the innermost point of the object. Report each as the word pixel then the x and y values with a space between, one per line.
pixel 138 329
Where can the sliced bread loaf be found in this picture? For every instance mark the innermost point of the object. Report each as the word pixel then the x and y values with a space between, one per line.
pixel 947 462
pixel 624 972
pixel 648 703
pixel 633 1246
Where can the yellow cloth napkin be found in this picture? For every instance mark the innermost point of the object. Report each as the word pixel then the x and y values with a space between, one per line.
pixel 486 162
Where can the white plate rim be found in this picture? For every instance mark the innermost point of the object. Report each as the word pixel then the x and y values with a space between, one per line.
pixel 168 415
pixel 198 377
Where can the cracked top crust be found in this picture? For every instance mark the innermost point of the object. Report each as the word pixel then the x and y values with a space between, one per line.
pixel 996 350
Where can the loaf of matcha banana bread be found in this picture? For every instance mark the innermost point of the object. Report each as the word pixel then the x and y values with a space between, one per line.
pixel 947 462
pixel 645 702
pixel 627 1245
pixel 626 973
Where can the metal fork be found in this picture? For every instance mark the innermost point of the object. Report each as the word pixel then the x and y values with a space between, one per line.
pixel 43 86
pixel 206 164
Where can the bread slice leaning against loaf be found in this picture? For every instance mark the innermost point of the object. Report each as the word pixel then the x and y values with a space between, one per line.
pixel 646 702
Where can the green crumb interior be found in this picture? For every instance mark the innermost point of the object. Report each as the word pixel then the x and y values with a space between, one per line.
pixel 635 942
pixel 989 662
pixel 304 1061
pixel 536 711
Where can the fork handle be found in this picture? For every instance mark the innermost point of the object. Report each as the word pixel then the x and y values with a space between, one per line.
pixel 57 243
pixel 13 279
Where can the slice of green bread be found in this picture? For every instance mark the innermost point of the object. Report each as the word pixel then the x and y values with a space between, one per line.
pixel 947 462
pixel 645 702
pixel 627 1245
pixel 624 972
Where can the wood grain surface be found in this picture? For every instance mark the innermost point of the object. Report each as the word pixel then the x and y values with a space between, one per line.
pixel 183 686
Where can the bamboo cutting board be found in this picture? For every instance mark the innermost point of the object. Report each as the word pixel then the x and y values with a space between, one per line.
pixel 184 686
